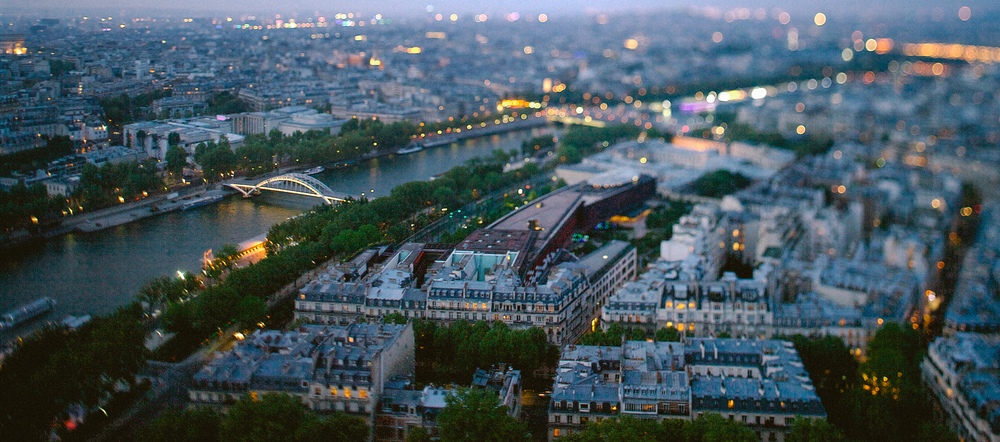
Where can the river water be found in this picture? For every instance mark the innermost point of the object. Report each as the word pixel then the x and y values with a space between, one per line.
pixel 95 273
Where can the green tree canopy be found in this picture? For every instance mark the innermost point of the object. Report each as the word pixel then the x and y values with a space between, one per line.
pixel 272 417
pixel 199 425
pixel 176 158
pixel 474 415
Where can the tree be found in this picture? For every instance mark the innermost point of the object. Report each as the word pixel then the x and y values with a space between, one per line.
pixel 338 427
pixel 719 183
pixel 176 159
pixel 418 434
pixel 154 293
pixel 394 318
pixel 712 427
pixel 199 425
pixel 173 139
pixel 625 428
pixel 668 334
pixel 477 416
pixel 814 430
pixel 272 417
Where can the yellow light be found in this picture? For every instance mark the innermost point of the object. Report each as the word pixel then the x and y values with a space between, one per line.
pixel 936 203
pixel 820 19
pixel 871 44
pixel 736 232
pixel 631 43
pixel 529 49
pixel 642 160
pixel 879 321
pixel 414 50
pixel 800 130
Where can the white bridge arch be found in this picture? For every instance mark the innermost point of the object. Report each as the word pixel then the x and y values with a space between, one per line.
pixel 294 183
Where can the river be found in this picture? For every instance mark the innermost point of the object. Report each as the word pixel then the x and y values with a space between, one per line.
pixel 97 272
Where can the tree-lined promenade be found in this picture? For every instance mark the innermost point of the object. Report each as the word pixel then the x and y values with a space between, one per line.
pixel 56 370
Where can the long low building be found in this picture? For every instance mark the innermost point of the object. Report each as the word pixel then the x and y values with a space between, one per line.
pixel 476 282
pixel 761 383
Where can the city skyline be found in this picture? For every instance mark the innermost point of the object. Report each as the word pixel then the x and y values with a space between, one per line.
pixel 554 8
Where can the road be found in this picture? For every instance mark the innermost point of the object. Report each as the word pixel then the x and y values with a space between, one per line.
pixel 169 390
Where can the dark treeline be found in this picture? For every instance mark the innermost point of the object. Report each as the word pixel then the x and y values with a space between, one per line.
pixel 451 354
pixel 612 337
pixel 880 399
pixel 30 160
pixel 122 110
pixel 719 183
pixel 19 204
pixel 114 183
pixel 56 369
pixel 272 417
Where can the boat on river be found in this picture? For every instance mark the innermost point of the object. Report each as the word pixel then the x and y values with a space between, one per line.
pixel 410 148
pixel 314 170
pixel 25 313
pixel 198 202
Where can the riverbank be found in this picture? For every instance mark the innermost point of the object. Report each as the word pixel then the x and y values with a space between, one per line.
pixel 127 212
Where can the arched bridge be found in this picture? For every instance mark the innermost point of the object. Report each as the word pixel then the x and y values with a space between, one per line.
pixel 294 183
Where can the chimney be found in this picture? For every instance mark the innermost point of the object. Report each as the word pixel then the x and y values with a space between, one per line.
pixel 702 344
pixel 715 350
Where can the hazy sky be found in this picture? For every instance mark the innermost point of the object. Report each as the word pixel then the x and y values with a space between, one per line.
pixel 402 8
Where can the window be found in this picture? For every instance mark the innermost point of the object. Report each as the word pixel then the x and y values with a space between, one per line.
pixel 555 433
pixel 363 394
pixel 558 419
